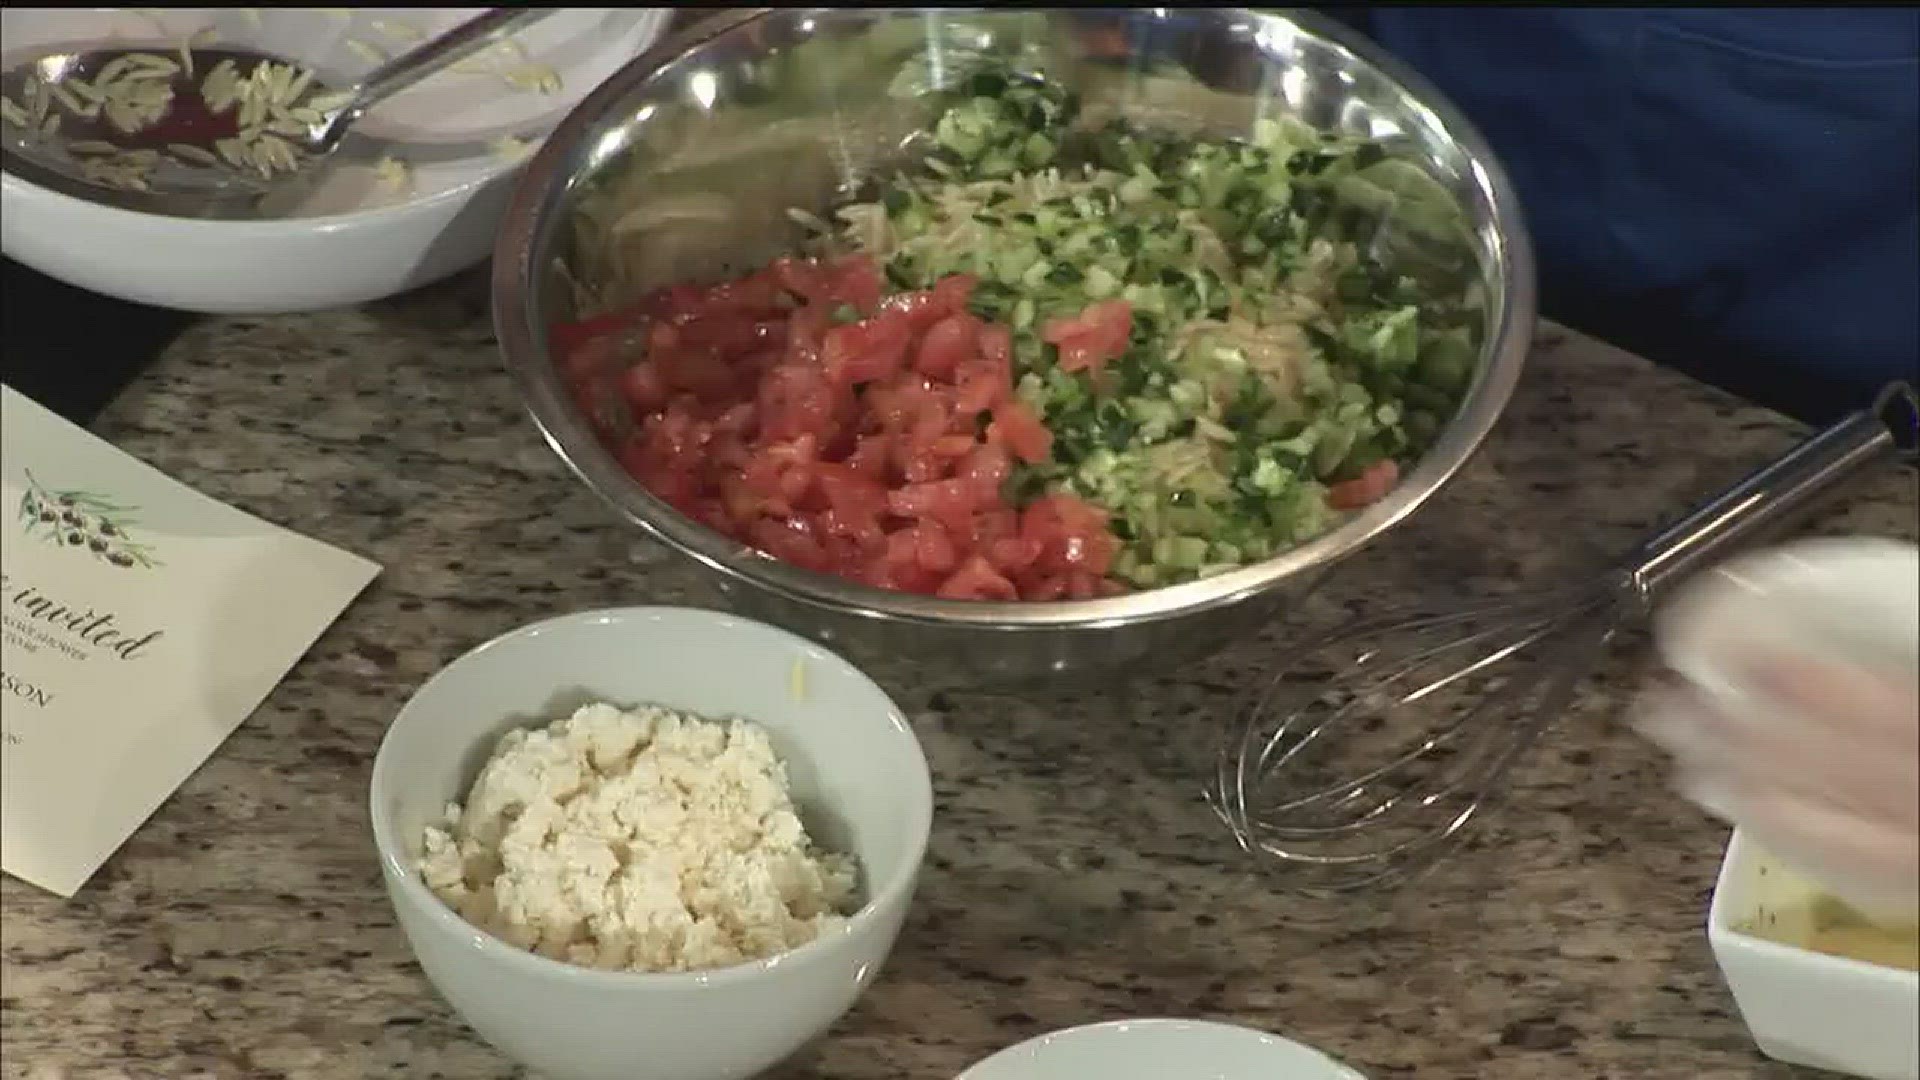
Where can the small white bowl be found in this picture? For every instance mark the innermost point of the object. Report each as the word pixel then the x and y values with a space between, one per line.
pixel 1158 1049
pixel 354 239
pixel 250 267
pixel 857 774
pixel 1804 1007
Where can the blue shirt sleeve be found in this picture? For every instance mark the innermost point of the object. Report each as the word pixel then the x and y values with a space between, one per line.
pixel 1730 191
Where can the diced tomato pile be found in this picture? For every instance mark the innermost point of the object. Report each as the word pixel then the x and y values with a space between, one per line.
pixel 802 412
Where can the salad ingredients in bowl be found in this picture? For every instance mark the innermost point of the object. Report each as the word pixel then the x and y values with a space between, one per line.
pixel 866 145
pixel 1065 355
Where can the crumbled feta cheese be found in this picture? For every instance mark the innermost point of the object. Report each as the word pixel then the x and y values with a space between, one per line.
pixel 637 841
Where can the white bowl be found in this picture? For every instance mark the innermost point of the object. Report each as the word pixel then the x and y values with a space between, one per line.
pixel 1158 1049
pixel 353 239
pixel 857 774
pixel 1804 1007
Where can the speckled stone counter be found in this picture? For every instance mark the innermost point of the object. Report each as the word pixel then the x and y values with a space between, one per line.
pixel 1073 875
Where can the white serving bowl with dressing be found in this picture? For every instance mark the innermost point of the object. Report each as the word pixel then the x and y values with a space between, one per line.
pixel 357 236
pixel 1801 1006
pixel 856 773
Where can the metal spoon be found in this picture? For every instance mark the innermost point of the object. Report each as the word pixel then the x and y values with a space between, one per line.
pixel 183 134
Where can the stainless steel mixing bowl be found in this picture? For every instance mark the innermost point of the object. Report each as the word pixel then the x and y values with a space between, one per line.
pixel 712 135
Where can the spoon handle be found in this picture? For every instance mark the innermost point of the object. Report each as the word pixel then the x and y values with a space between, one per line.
pixel 429 59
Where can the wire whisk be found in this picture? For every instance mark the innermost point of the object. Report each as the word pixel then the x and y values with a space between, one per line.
pixel 1476 687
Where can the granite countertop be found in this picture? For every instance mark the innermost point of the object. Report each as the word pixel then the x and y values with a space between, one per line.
pixel 1073 876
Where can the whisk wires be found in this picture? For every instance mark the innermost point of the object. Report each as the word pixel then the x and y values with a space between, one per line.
pixel 1361 764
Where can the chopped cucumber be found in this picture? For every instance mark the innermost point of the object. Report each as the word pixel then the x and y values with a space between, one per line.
pixel 1270 353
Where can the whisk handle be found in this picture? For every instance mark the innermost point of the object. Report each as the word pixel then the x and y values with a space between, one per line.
pixel 1773 495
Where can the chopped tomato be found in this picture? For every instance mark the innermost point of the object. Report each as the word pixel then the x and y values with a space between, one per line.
pixel 979 384
pixel 999 523
pixel 870 456
pixel 948 297
pixel 736 420
pixel 1366 489
pixel 996 344
pixel 1016 428
pixel 978 580
pixel 789 539
pixel 856 281
pixel 948 448
pixel 952 503
pixel 857 534
pixel 908 404
pixel 1012 555
pixel 797 400
pixel 1044 586
pixel 1088 340
pixel 949 342
pixel 803 278
pixel 644 388
pixel 699 373
pixel 866 351
pixel 986 468
pixel 1083 585
pixel 925 546
pixel 728 336
pixel 566 338
pixel 851 493
pixel 856 448
pixel 1072 535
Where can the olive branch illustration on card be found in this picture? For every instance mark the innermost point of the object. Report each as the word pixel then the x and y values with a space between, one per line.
pixel 86 521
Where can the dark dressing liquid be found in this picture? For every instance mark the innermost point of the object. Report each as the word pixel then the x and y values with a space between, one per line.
pixel 188 119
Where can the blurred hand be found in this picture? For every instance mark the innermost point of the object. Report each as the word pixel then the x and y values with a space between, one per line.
pixel 1824 772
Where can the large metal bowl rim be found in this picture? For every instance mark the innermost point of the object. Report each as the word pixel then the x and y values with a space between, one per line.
pixel 523 249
